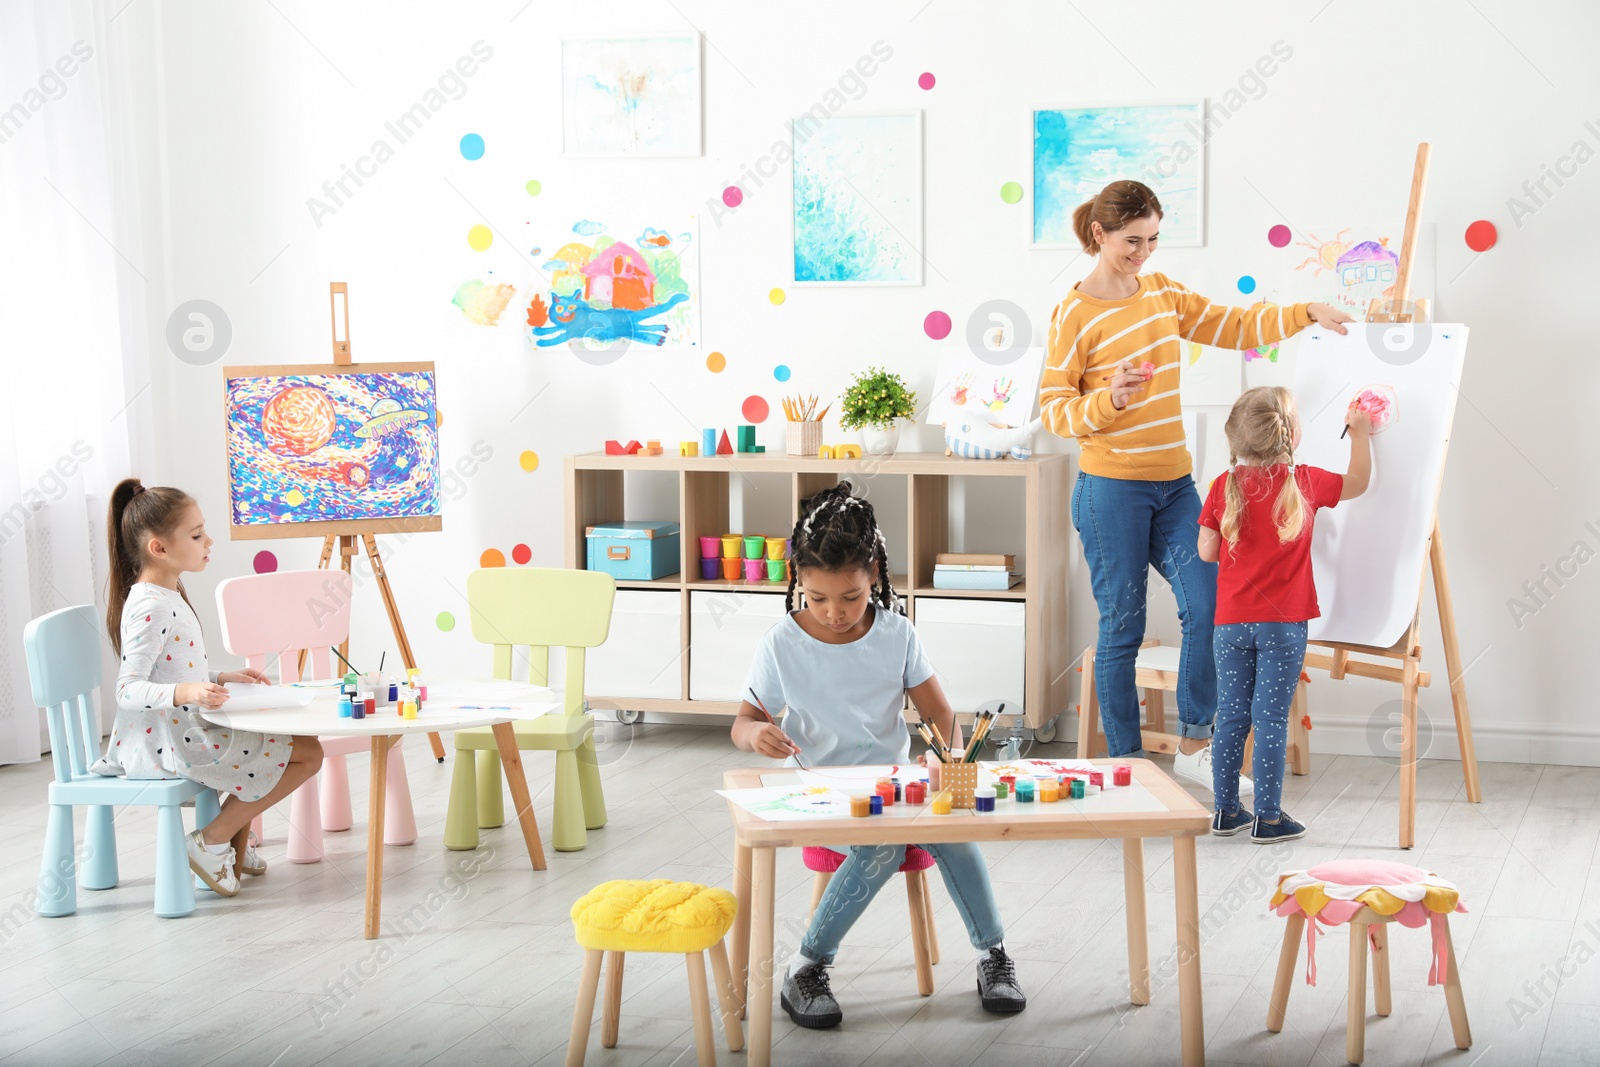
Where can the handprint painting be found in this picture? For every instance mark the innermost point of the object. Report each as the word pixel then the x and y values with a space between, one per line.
pixel 629 283
pixel 306 445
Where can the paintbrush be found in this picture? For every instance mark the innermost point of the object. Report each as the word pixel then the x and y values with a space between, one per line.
pixel 928 732
pixel 346 662
pixel 800 762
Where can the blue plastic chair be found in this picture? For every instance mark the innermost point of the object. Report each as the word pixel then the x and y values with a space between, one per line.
pixel 63 650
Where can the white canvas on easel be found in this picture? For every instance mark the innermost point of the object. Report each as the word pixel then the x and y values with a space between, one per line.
pixel 1369 554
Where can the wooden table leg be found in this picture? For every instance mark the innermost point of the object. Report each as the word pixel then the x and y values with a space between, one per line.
pixel 376 791
pixel 438 746
pixel 1138 926
pixel 505 738
pixel 1186 888
pixel 740 937
pixel 763 884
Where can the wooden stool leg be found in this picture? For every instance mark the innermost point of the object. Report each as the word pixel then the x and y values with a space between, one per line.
pixel 583 1012
pixel 727 1000
pixel 1380 968
pixel 1355 1036
pixel 611 1010
pixel 705 1041
pixel 1155 706
pixel 919 931
pixel 819 885
pixel 933 929
pixel 1453 997
pixel 1288 955
pixel 1088 709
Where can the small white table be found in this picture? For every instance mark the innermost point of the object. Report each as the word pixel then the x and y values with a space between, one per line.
pixel 452 706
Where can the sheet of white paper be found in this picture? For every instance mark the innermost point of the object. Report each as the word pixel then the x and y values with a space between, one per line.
pixel 1210 376
pixel 249 696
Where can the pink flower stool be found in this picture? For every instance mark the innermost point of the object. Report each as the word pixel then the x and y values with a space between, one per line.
pixel 1367 895
pixel 924 938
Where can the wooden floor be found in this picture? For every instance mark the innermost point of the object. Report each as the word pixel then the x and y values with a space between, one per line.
pixel 478 964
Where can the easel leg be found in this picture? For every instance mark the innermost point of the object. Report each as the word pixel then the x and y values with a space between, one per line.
pixel 1452 660
pixel 395 624
pixel 1299 737
pixel 1408 753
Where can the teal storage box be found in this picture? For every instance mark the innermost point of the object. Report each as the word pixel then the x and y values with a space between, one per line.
pixel 634 551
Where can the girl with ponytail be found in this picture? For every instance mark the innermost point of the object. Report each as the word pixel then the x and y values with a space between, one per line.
pixel 1256 525
pixel 839 667
pixel 154 535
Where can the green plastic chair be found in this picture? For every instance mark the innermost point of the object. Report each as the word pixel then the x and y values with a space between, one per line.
pixel 538 607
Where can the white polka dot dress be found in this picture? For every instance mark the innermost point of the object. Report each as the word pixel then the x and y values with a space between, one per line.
pixel 155 738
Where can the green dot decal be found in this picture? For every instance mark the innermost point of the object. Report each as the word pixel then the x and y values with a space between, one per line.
pixel 1011 192
pixel 445 621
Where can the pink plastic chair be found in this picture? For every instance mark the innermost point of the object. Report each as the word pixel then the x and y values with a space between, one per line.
pixel 281 614
pixel 924 937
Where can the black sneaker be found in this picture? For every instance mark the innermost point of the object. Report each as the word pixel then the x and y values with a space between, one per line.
pixel 1225 825
pixel 1285 829
pixel 808 998
pixel 997 983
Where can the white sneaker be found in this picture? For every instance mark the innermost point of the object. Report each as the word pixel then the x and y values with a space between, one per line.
pixel 1196 769
pixel 253 863
pixel 215 869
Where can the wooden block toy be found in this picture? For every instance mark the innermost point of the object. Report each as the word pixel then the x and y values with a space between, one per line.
pixel 688 448
pixel 708 442
pixel 846 451
pixel 617 448
pixel 651 448
pixel 747 439
pixel 825 452
pixel 723 447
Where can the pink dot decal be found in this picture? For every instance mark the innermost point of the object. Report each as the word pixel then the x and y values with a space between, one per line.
pixel 755 409
pixel 926 81
pixel 936 325
pixel 733 196
pixel 1278 236
pixel 1481 235
pixel 266 562
pixel 522 554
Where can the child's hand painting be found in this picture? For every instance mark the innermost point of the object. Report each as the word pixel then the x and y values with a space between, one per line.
pixel 1358 421
pixel 772 742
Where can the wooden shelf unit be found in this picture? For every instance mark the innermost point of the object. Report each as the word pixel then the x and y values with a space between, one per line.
pixel 594 495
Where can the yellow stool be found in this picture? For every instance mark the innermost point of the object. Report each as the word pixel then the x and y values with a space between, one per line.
pixel 615 918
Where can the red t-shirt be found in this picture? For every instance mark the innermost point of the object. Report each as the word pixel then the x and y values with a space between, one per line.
pixel 1261 579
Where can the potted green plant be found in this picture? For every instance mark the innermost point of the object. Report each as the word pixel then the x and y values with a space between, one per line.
pixel 872 404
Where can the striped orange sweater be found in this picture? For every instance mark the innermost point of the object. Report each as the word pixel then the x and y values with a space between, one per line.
pixel 1088 337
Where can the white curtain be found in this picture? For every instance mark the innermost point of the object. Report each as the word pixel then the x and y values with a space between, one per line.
pixel 73 335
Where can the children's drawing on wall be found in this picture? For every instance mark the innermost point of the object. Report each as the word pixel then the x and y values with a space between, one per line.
pixel 858 199
pixel 482 302
pixel 1077 151
pixel 326 447
pixel 615 284
pixel 631 96
pixel 984 406
pixel 1351 266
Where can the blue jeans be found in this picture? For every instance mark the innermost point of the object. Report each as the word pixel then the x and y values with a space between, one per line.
pixel 868 868
pixel 1258 668
pixel 1127 527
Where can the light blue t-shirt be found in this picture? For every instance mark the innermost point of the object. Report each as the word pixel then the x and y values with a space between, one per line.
pixel 844 701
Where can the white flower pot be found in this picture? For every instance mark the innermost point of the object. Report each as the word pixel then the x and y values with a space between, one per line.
pixel 878 441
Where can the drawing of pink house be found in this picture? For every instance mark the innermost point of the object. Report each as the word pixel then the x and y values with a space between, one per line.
pixel 1367 262
pixel 619 276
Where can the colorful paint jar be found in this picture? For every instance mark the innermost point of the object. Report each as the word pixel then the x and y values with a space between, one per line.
pixel 394 692
pixel 916 793
pixel 777 547
pixel 1091 790
pixel 731 567
pixel 1097 778
pixel 710 568
pixel 777 570
pixel 941 802
pixel 754 546
pixel 1077 789
pixel 710 547
pixel 935 771
pixel 346 708
pixel 899 790
pixel 1025 791
pixel 1049 791
pixel 860 807
pixel 983 798
pixel 369 703
pixel 876 800
pixel 886 790
pixel 409 709
pixel 1122 774
pixel 1002 789
pixel 730 545
pixel 358 711
pixel 754 570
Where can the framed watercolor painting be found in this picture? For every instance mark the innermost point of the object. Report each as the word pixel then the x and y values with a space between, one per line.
pixel 637 95
pixel 856 212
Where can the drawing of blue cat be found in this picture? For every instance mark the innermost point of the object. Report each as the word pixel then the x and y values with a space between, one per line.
pixel 573 319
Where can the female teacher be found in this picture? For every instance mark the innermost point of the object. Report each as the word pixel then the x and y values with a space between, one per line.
pixel 1111 381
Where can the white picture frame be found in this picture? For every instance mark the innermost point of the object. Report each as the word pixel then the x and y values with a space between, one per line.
pixel 592 124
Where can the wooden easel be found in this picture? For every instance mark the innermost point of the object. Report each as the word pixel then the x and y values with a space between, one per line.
pixel 1408 650
pixel 347 542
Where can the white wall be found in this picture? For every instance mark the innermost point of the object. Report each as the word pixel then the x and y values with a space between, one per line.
pixel 245 115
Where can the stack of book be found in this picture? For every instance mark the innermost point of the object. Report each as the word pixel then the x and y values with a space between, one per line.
pixel 974 570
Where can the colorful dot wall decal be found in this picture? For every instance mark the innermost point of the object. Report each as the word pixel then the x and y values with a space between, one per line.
pixel 534 187
pixel 522 554
pixel 733 196
pixel 755 409
pixel 1011 192
pixel 781 372
pixel 1278 236
pixel 716 363
pixel 472 146
pixel 480 237
pixel 1247 284
pixel 492 557
pixel 1481 235
pixel 926 81
pixel 776 296
pixel 265 562
pixel 445 621
pixel 936 325
pixel 529 461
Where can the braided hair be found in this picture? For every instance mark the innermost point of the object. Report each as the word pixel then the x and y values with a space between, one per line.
pixel 1260 429
pixel 838 530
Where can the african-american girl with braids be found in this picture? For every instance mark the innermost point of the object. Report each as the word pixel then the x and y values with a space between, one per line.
pixel 839 667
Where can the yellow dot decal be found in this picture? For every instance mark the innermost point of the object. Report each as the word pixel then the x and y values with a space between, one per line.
pixel 776 296
pixel 716 363
pixel 480 237
pixel 529 461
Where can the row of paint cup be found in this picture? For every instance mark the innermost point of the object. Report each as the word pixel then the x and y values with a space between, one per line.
pixel 753 557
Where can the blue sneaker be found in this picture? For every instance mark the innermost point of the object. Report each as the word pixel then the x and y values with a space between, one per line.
pixel 1285 829
pixel 1225 825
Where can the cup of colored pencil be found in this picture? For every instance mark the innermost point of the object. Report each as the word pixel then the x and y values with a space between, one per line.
pixel 805 425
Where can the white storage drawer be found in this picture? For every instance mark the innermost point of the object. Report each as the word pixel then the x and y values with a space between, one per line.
pixel 724 631
pixel 641 655
pixel 978 648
